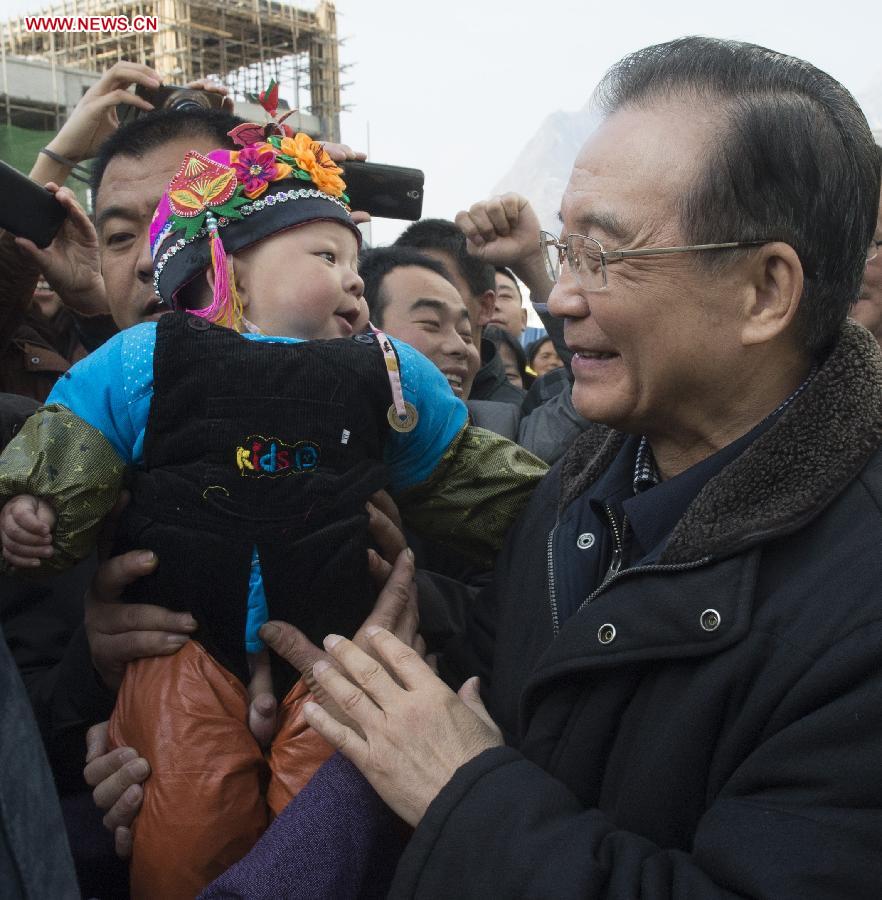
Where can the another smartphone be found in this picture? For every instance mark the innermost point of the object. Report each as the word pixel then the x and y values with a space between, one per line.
pixel 28 210
pixel 388 192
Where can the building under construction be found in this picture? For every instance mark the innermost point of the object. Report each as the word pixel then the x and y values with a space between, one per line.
pixel 241 43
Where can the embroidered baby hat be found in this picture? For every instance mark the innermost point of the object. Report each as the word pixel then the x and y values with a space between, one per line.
pixel 229 199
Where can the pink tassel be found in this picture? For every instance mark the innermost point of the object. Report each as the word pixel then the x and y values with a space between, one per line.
pixel 226 305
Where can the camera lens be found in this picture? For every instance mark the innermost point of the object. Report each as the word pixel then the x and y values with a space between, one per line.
pixel 187 101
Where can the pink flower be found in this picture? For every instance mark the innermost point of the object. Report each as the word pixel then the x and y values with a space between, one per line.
pixel 256 166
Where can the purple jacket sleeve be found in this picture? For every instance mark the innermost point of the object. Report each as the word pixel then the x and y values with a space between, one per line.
pixel 336 838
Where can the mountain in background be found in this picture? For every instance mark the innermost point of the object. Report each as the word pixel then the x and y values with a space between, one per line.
pixel 542 168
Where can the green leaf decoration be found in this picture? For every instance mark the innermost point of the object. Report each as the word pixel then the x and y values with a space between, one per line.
pixel 302 175
pixel 191 225
pixel 230 208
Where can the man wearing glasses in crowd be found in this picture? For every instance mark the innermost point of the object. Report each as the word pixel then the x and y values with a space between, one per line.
pixel 679 659
pixel 680 656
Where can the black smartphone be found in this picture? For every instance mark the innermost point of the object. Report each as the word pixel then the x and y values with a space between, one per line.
pixel 388 192
pixel 28 210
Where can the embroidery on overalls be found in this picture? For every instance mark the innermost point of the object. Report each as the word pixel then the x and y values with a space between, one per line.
pixel 259 456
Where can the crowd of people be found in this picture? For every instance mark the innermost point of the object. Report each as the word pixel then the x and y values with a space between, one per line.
pixel 317 582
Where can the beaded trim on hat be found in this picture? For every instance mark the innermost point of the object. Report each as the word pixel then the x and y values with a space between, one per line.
pixel 245 210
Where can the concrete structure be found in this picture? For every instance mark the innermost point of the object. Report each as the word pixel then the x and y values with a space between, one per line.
pixel 242 43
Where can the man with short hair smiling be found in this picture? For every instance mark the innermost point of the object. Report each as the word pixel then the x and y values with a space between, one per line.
pixel 411 297
pixel 681 648
pixel 443 241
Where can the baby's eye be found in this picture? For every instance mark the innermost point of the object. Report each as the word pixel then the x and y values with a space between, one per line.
pixel 328 255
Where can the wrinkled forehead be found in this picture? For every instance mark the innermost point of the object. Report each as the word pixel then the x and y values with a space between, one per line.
pixel 638 164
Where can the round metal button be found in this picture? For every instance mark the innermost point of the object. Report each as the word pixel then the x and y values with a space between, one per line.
pixel 585 541
pixel 364 338
pixel 197 323
pixel 606 634
pixel 35 360
pixel 710 620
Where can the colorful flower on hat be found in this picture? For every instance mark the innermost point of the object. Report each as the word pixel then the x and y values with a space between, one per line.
pixel 203 186
pixel 256 167
pixel 313 162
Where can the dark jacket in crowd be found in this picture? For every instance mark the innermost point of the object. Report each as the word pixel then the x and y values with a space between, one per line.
pixel 707 726
pixel 491 382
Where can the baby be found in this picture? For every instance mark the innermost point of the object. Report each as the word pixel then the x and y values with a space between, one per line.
pixel 252 426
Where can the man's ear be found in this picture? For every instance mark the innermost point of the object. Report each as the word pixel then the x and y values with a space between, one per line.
pixel 524 316
pixel 486 303
pixel 774 293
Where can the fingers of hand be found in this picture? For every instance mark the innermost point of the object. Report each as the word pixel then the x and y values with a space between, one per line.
pixel 363 669
pixel 340 736
pixel 291 644
pixel 126 73
pixel 401 660
pixel 359 216
pixel 498 215
pixel 123 812
pixel 384 502
pixel 388 536
pixel 262 718
pixel 396 596
pixel 352 701
pixel 112 775
pixel 27 515
pixel 96 741
pixel 122 842
pixel 482 221
pixel 467 226
pixel 116 573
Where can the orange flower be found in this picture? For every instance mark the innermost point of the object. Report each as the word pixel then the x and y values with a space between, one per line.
pixel 314 160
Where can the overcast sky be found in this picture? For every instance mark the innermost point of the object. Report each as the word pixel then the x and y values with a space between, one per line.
pixel 457 88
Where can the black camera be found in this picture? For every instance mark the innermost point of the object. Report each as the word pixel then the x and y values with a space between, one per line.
pixel 169 96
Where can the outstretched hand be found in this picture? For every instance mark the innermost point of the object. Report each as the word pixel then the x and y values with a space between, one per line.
pixel 404 729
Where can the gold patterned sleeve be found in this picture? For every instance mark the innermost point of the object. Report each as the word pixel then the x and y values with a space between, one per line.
pixel 474 495
pixel 63 459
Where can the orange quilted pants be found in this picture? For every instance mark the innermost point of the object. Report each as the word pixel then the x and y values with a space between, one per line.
pixel 211 791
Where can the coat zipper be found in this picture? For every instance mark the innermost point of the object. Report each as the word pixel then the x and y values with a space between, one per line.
pixel 552 594
pixel 618 553
pixel 656 567
pixel 611 575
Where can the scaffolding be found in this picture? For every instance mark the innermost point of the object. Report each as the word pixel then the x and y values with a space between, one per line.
pixel 241 43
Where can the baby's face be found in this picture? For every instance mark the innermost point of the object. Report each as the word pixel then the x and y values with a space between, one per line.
pixel 304 283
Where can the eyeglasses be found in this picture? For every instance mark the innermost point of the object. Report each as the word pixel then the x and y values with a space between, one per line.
pixel 588 260
pixel 873 250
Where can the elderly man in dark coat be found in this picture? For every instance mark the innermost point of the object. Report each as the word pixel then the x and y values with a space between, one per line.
pixel 681 657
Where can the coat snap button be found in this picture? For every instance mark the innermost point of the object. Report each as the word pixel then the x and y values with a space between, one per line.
pixel 606 634
pixel 710 620
pixel 35 360
pixel 585 541
pixel 364 338
pixel 197 323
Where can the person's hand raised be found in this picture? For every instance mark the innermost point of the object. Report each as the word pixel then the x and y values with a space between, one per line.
pixel 504 231
pixel 94 118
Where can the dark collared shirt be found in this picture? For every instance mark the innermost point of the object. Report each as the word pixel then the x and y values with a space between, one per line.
pixel 627 516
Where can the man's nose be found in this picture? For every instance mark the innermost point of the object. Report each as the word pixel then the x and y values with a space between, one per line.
pixel 144 265
pixel 566 300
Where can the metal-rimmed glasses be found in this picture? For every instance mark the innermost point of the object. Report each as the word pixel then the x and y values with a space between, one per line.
pixel 588 260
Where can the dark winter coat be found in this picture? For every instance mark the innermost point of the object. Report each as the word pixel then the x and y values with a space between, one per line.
pixel 709 726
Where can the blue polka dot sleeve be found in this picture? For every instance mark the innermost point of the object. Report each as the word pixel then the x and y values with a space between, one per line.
pixel 111 389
